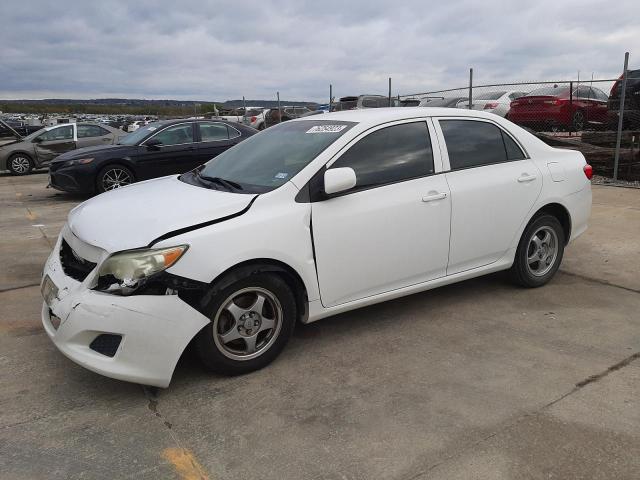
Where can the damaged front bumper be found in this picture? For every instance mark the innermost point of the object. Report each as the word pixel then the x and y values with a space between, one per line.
pixel 146 334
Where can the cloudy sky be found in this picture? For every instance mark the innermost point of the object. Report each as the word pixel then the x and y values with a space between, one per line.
pixel 223 50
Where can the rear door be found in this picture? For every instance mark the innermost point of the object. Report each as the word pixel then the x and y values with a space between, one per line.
pixel 215 138
pixel 493 188
pixel 174 154
pixel 92 135
pixel 48 145
pixel 392 229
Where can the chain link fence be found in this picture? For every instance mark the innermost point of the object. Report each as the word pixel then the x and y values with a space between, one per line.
pixel 581 114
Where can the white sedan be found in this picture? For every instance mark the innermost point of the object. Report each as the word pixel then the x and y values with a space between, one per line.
pixel 310 218
pixel 498 102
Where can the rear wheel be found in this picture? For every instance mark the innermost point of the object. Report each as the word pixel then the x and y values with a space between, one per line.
pixel 20 164
pixel 114 176
pixel 251 322
pixel 539 252
pixel 578 120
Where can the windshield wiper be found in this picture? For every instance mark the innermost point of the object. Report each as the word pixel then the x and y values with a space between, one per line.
pixel 228 184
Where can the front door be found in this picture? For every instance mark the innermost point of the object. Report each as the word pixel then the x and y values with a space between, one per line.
pixel 392 229
pixel 176 148
pixel 493 188
pixel 54 142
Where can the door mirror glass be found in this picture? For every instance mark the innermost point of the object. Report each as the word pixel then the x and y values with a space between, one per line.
pixel 339 180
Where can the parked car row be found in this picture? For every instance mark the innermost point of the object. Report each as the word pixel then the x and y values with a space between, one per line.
pixel 554 107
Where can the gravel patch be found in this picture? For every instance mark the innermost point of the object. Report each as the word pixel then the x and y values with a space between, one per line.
pixel 599 180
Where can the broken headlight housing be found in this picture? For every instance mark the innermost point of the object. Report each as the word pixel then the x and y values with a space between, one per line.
pixel 122 273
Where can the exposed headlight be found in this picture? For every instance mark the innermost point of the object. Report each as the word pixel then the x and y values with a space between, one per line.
pixel 124 272
pixel 79 161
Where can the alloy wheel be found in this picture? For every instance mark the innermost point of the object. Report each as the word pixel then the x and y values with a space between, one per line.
pixel 115 178
pixel 578 120
pixel 542 251
pixel 20 165
pixel 247 323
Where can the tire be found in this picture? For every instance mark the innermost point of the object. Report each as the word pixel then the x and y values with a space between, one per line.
pixel 112 177
pixel 20 164
pixel 232 315
pixel 578 120
pixel 537 261
pixel 261 126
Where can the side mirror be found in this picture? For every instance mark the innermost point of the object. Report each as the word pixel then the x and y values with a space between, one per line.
pixel 37 140
pixel 153 144
pixel 339 179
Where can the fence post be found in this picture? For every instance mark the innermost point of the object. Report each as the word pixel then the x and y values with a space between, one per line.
pixel 244 110
pixel 616 157
pixel 470 87
pixel 389 91
pixel 330 97
pixel 571 106
pixel 279 110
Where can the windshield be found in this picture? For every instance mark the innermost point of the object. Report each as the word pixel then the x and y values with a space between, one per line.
pixel 265 161
pixel 443 102
pixel 489 96
pixel 140 134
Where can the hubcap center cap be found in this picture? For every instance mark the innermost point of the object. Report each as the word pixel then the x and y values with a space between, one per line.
pixel 249 323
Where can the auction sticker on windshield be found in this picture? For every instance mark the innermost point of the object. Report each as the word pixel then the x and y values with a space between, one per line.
pixel 326 129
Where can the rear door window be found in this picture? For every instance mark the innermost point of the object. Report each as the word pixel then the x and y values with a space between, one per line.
pixel 391 154
pixel 213 132
pixel 472 143
pixel 88 131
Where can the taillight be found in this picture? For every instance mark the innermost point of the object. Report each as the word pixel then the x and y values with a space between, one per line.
pixel 490 106
pixel 253 119
pixel 588 171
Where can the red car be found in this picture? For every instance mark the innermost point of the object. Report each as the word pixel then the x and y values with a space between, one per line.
pixel 552 108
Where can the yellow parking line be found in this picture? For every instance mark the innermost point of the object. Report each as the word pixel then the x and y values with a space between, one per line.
pixel 186 465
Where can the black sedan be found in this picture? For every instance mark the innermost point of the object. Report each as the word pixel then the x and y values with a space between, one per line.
pixel 158 149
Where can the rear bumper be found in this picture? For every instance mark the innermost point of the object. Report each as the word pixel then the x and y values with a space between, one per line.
pixel 539 117
pixel 579 206
pixel 154 329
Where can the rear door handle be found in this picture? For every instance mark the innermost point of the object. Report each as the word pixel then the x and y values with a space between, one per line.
pixel 526 178
pixel 434 197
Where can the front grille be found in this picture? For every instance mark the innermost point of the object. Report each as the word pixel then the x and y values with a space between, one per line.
pixel 106 344
pixel 73 265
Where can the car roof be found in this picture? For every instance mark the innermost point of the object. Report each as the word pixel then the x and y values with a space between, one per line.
pixel 390 114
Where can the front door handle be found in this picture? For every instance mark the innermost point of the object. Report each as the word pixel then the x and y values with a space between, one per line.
pixel 525 177
pixel 434 197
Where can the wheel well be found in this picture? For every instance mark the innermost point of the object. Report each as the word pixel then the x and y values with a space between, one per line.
pixel 562 214
pixel 25 154
pixel 266 265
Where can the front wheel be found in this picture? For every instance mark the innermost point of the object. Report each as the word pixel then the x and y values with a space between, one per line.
pixel 251 322
pixel 20 164
pixel 112 177
pixel 539 252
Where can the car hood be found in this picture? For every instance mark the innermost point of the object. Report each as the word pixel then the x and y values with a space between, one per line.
pixel 136 215
pixel 100 150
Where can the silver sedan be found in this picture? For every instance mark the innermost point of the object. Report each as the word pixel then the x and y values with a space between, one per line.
pixel 38 149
